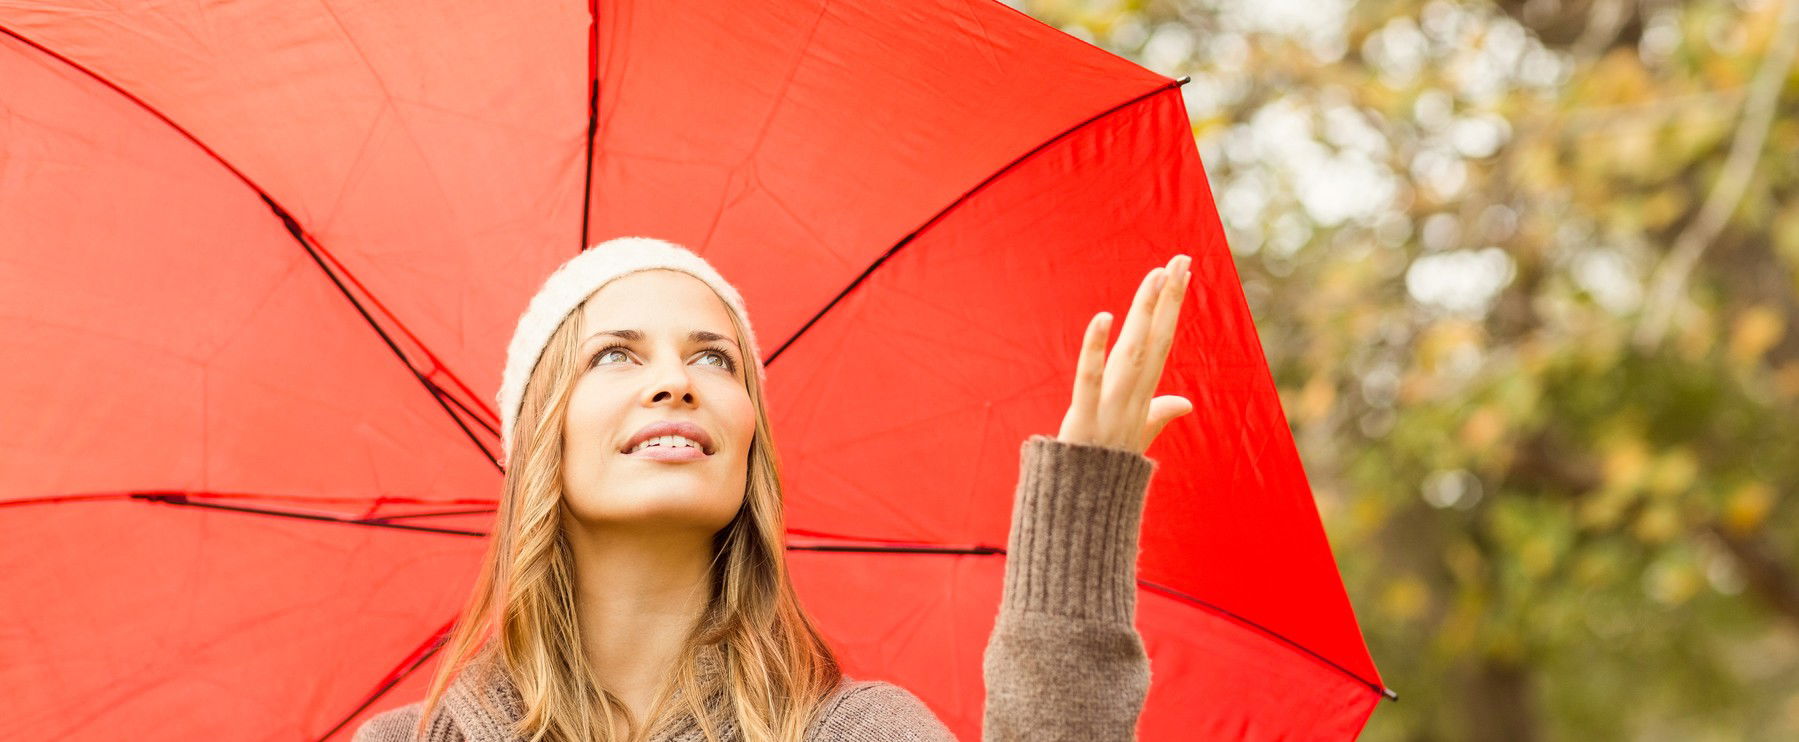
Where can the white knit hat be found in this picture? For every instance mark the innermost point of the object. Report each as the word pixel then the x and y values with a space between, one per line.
pixel 574 281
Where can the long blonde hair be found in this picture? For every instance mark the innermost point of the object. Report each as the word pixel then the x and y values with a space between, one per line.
pixel 773 669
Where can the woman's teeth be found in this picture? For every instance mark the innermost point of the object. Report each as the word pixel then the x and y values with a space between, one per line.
pixel 666 440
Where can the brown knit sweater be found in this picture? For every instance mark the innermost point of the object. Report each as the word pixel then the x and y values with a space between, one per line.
pixel 1064 661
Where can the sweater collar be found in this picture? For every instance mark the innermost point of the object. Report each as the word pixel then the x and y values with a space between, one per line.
pixel 485 705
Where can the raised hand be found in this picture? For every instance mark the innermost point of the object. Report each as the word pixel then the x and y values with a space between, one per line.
pixel 1112 403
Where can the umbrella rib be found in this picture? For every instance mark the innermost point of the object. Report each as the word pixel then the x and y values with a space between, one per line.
pixel 185 501
pixel 593 113
pixel 884 544
pixel 412 662
pixel 1170 592
pixel 436 514
pixel 879 546
pixel 863 546
pixel 437 392
pixel 293 228
pixel 1169 85
pixel 875 549
pixel 846 544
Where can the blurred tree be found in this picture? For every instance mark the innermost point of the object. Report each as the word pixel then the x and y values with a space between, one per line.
pixel 1527 275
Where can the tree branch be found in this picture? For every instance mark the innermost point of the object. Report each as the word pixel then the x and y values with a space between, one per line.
pixel 1668 285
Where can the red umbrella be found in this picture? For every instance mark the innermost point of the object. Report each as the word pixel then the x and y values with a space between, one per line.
pixel 259 262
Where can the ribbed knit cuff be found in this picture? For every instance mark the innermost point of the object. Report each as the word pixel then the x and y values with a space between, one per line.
pixel 1075 521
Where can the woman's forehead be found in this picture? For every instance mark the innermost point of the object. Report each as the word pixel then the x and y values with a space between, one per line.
pixel 656 301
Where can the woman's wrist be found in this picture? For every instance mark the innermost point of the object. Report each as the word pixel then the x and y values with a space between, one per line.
pixel 1074 540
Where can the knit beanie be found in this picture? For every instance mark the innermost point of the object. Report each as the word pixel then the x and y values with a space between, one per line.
pixel 578 278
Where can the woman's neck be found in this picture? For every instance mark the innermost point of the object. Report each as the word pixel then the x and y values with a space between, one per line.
pixel 639 592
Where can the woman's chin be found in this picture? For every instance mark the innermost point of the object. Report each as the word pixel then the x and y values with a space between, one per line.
pixel 679 507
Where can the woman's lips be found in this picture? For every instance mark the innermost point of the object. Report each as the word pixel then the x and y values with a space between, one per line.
pixel 670 453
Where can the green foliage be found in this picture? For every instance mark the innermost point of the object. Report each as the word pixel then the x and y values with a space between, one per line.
pixel 1450 220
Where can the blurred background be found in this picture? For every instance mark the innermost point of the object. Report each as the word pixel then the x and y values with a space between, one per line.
pixel 1527 275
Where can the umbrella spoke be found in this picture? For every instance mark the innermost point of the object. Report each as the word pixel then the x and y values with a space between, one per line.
pixel 184 500
pixel 485 419
pixel 400 672
pixel 1386 692
pixel 1174 85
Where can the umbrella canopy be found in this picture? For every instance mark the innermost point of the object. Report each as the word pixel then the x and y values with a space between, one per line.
pixel 259 262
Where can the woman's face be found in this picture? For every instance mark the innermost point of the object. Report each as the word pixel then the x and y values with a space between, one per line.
pixel 657 346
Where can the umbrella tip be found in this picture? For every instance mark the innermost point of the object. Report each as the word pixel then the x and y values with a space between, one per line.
pixel 1184 80
pixel 1392 695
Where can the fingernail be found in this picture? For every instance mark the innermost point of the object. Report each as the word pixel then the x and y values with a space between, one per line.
pixel 1155 284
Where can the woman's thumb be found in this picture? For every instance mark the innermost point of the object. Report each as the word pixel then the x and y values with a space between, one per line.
pixel 1162 411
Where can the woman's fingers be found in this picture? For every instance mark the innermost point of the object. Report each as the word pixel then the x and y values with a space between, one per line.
pixel 1160 336
pixel 1126 361
pixel 1111 402
pixel 1088 372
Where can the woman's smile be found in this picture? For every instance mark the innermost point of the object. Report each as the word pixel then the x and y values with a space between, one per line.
pixel 670 454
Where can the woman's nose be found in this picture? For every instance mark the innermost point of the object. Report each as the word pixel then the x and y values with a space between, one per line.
pixel 673 381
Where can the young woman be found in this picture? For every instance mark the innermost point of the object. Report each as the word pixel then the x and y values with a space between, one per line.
pixel 636 586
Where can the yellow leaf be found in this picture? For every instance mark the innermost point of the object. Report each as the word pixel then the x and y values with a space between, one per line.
pixel 1618 78
pixel 1483 427
pixel 1756 330
pixel 1674 472
pixel 1633 148
pixel 1538 556
pixel 1367 511
pixel 1658 524
pixel 1626 461
pixel 1206 127
pixel 1724 71
pixel 1695 129
pixel 1601 510
pixel 1747 507
pixel 1405 598
pixel 1316 398
pixel 1672 583
pixel 1443 338
pixel 1595 569
pixel 1416 387
pixel 1538 168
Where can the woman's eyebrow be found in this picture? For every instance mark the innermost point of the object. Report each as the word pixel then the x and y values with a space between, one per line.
pixel 697 336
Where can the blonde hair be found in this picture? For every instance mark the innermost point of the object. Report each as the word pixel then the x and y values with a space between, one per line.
pixel 774 670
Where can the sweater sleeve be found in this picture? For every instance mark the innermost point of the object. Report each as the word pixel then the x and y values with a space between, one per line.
pixel 1065 661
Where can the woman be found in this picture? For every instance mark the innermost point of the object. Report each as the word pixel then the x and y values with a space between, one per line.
pixel 636 587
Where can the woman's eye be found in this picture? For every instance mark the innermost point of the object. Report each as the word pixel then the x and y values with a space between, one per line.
pixel 724 358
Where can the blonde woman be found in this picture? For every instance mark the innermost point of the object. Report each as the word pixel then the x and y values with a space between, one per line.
pixel 636 586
